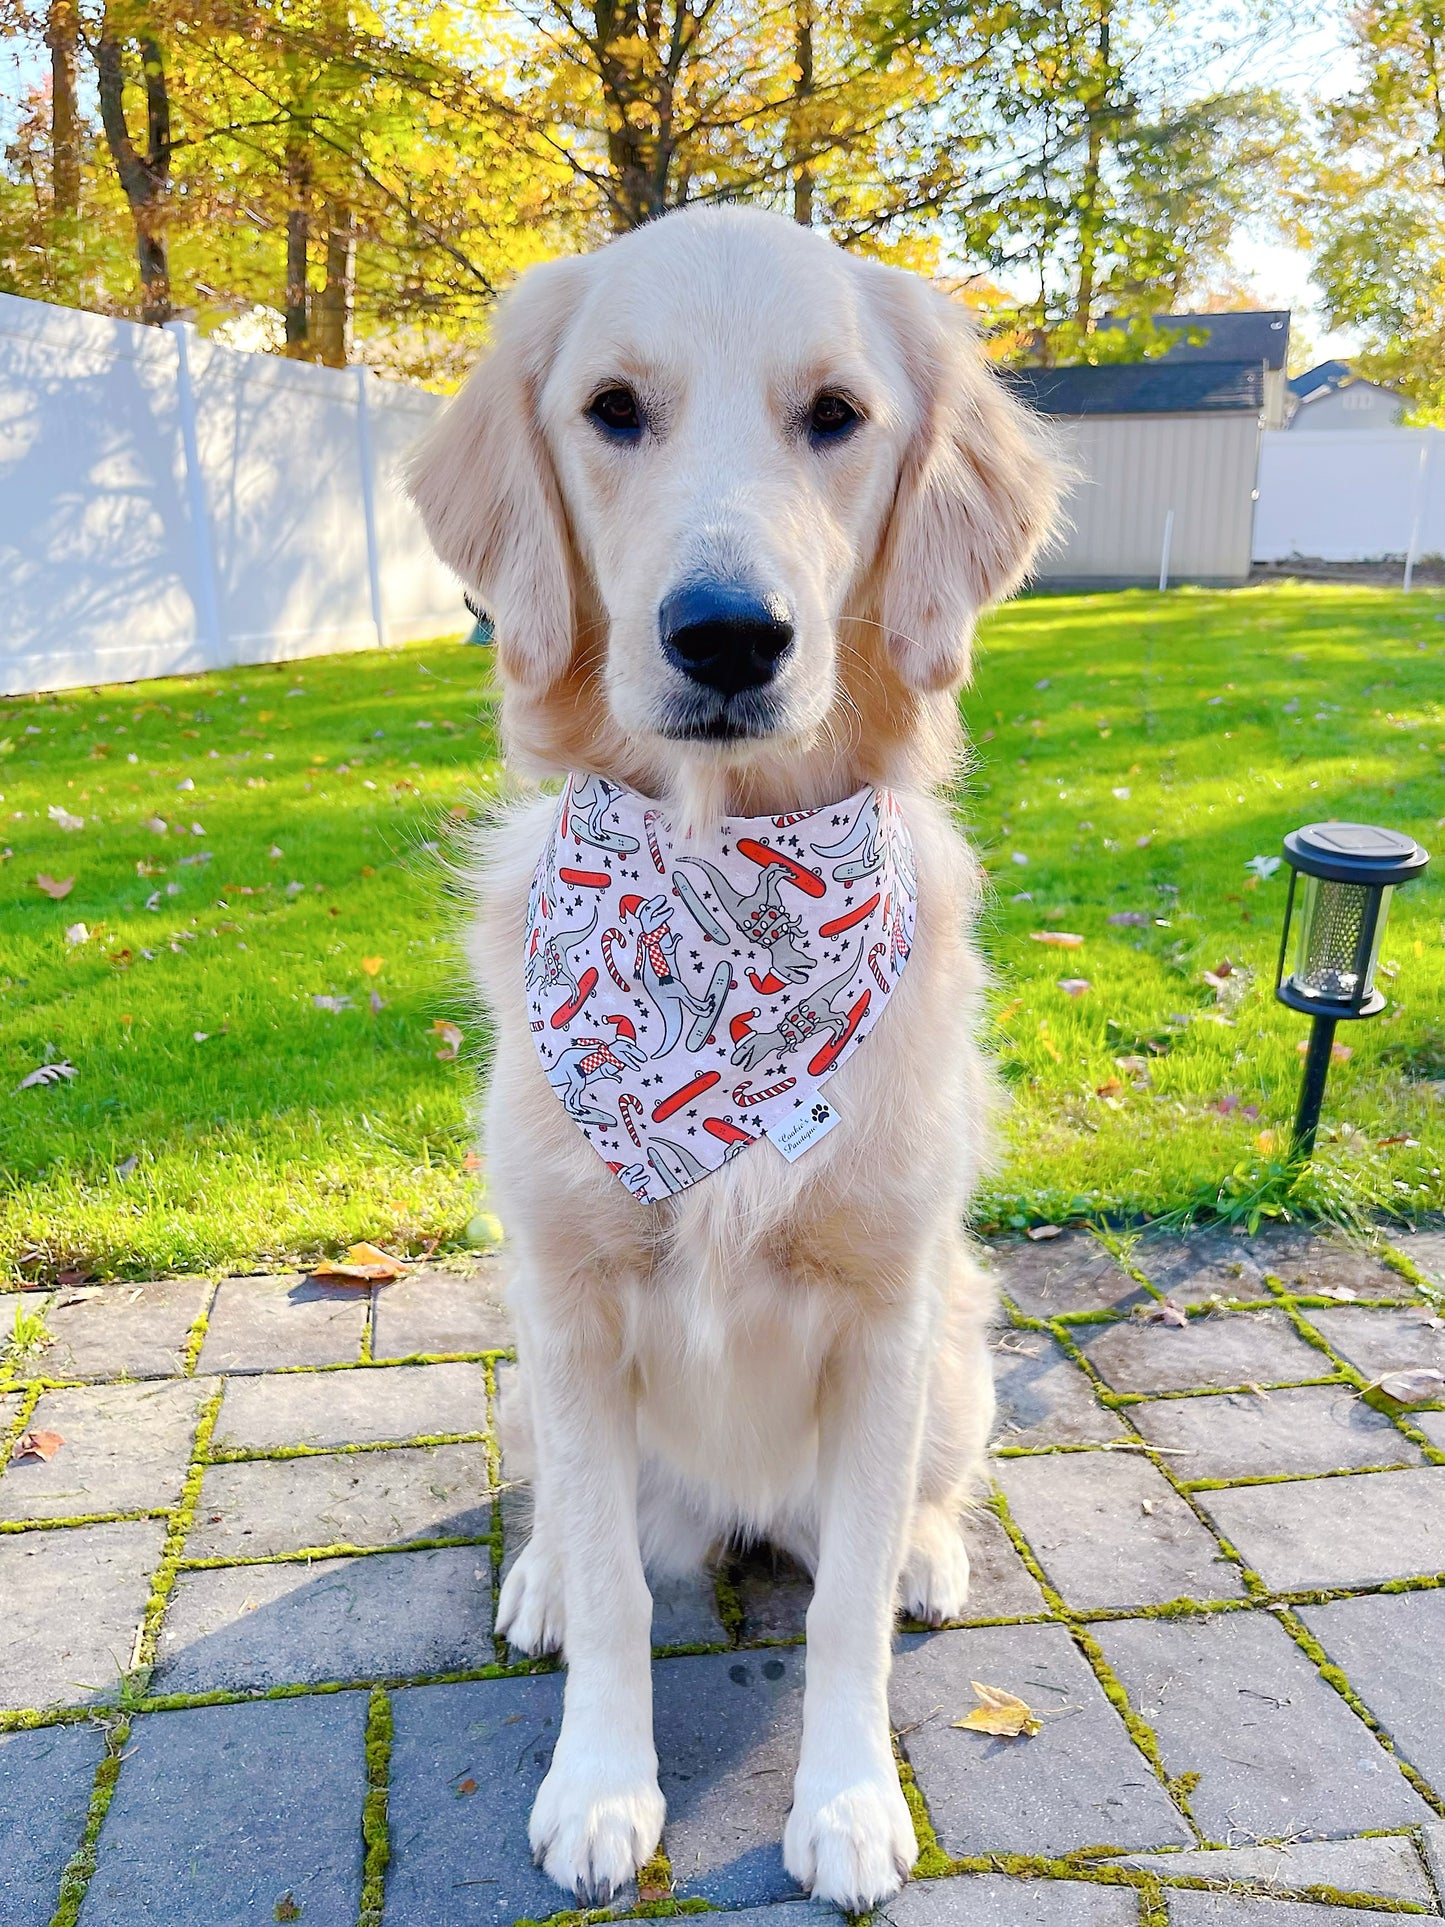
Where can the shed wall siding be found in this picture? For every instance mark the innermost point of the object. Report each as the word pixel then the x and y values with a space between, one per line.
pixel 1132 470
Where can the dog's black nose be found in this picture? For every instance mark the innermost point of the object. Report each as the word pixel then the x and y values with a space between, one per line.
pixel 726 637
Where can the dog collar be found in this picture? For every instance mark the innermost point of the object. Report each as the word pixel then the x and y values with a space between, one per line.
pixel 688 996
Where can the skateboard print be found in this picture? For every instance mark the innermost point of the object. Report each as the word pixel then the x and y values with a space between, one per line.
pixel 687 996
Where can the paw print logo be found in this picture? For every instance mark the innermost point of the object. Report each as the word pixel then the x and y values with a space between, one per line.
pixel 819 1114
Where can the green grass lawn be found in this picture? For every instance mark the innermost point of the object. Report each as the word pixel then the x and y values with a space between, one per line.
pixel 1137 750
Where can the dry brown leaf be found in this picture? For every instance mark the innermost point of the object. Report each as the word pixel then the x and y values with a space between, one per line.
pixel 1001 1714
pixel 1412 1386
pixel 1075 986
pixel 1110 1087
pixel 1339 1053
pixel 1064 939
pixel 37 1445
pixel 451 1038
pixel 1165 1313
pixel 471 1162
pixel 364 1264
pixel 54 887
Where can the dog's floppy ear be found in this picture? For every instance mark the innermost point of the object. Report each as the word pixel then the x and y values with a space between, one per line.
pixel 484 483
pixel 977 495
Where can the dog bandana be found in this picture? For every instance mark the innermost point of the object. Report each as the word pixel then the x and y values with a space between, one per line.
pixel 687 997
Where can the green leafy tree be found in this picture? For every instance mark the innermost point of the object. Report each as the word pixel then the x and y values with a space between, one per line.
pixel 1379 202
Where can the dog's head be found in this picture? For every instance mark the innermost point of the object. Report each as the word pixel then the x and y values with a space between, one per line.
pixel 721 484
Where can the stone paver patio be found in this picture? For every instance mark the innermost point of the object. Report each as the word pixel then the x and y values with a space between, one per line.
pixel 248 1672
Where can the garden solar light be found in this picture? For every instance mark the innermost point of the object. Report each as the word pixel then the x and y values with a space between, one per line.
pixel 1350 870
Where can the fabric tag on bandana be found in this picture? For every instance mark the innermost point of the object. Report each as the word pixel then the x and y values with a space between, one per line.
pixel 688 996
pixel 800 1132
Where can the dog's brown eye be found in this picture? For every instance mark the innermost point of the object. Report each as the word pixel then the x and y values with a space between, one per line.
pixel 616 410
pixel 831 416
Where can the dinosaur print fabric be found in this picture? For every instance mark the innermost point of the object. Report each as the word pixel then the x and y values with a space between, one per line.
pixel 687 997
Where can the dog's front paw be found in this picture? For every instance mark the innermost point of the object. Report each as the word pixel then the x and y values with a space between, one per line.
pixel 851 1843
pixel 595 1822
pixel 934 1584
pixel 529 1611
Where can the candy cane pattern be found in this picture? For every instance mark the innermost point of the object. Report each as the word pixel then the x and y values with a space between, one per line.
pixel 747 1100
pixel 609 937
pixel 649 824
pixel 752 981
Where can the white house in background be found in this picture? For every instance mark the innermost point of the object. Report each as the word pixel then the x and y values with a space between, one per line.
pixel 1332 396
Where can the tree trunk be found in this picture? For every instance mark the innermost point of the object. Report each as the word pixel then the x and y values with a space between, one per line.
pixel 298 244
pixel 144 176
pixel 803 60
pixel 1096 113
pixel 332 306
pixel 637 103
pixel 62 32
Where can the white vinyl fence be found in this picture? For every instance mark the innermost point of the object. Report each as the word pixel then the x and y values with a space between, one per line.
pixel 169 505
pixel 1351 495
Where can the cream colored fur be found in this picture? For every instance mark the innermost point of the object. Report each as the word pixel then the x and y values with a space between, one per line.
pixel 793 1352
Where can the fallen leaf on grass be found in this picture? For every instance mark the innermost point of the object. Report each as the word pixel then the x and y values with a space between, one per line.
pixel 451 1038
pixel 1339 1053
pixel 1263 866
pixel 59 814
pixel 372 965
pixel 471 1162
pixel 1001 1714
pixel 331 1003
pixel 77 933
pixel 155 824
pixel 1265 1142
pixel 1038 1232
pixel 1130 919
pixel 1412 1387
pixel 1063 939
pixel 48 1074
pixel 1075 986
pixel 1399 1137
pixel 55 887
pixel 1110 1087
pixel 37 1445
pixel 363 1264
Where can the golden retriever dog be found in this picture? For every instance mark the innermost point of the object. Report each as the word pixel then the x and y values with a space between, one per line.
pixel 734 499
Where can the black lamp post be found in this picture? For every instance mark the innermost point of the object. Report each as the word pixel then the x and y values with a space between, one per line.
pixel 1350 872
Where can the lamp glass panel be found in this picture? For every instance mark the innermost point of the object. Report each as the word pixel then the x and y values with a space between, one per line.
pixel 1332 921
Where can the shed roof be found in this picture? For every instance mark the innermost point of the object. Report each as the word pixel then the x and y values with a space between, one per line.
pixel 1245 334
pixel 1161 387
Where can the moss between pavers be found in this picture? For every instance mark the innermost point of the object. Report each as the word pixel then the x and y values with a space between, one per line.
pixel 76 1877
pixel 375 1834
pixel 1336 1677
pixel 9 1527
pixel 137 1676
pixel 10 1434
pixel 1139 1730
pixel 250 1455
pixel 196 1337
